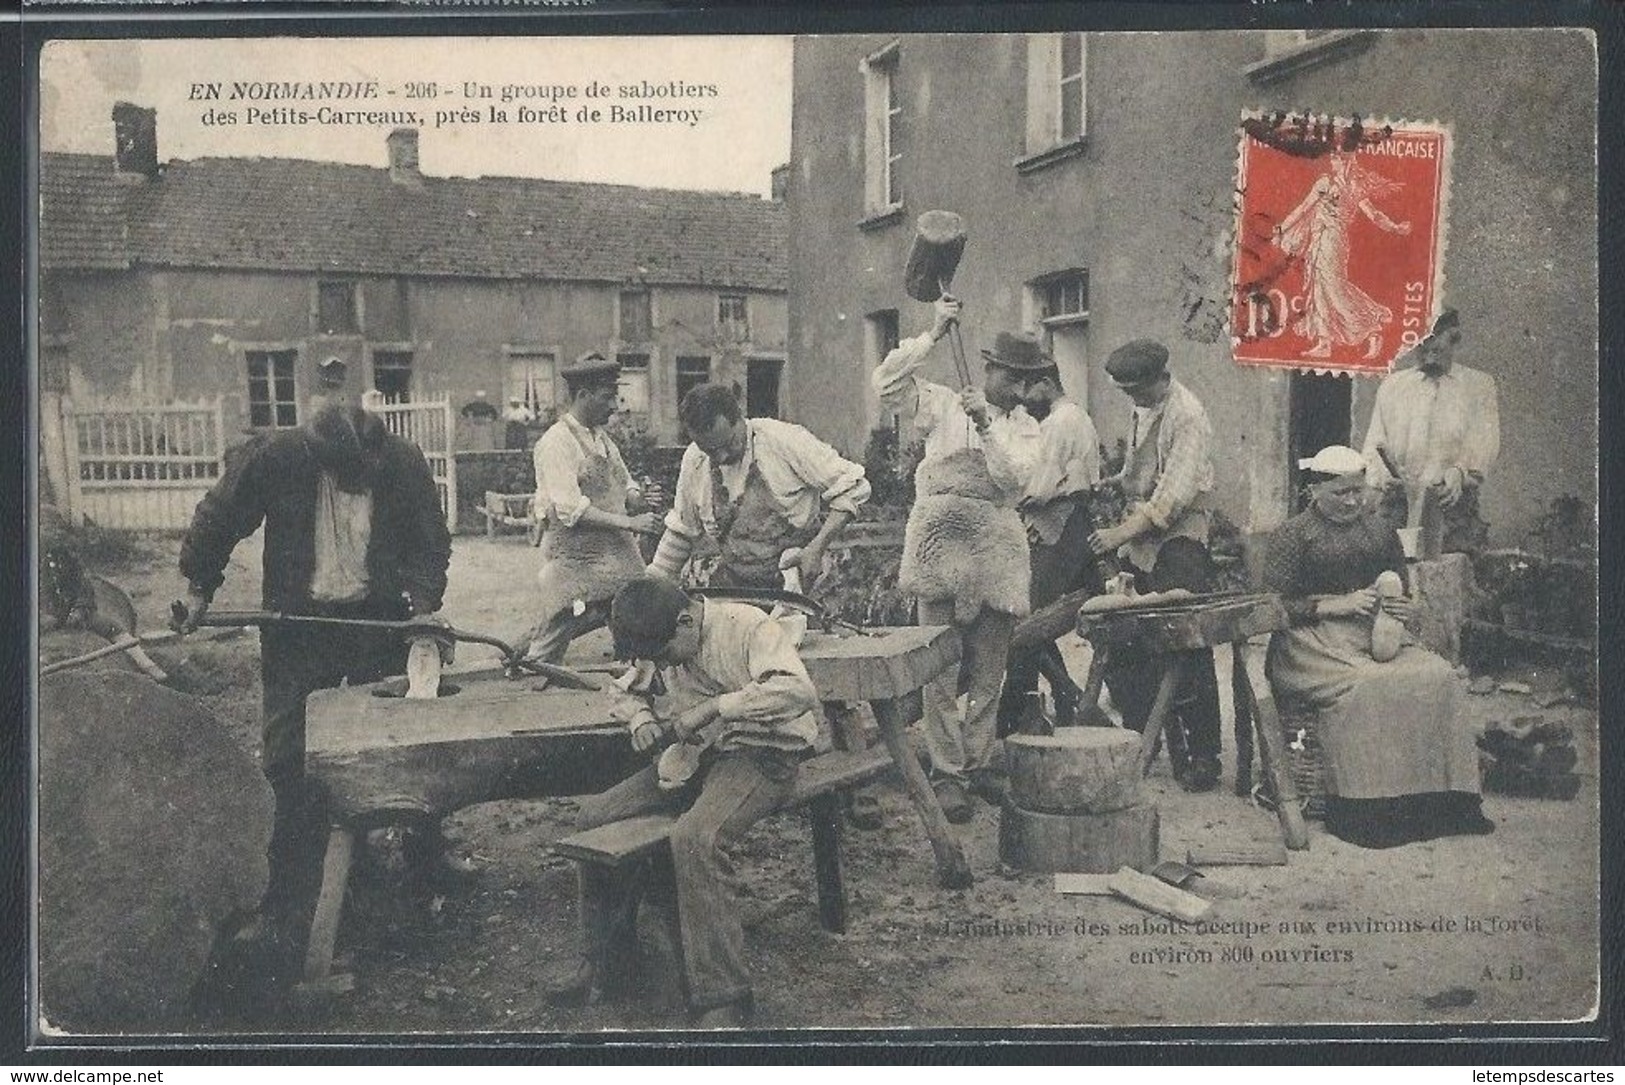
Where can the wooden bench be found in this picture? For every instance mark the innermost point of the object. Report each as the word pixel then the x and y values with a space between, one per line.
pixel 819 785
pixel 509 510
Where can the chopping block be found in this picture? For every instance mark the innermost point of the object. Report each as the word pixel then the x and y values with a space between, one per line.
pixel 385 759
pixel 1180 635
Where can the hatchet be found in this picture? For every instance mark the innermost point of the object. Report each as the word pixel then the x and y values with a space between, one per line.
pixel 933 257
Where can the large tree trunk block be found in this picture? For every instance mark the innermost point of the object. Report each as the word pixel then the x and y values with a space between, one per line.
pixel 485 737
pixel 1442 588
pixel 1077 770
pixel 1078 843
pixel 153 826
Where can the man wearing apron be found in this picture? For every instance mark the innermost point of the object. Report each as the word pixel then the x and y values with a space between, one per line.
pixel 965 548
pixel 1056 510
pixel 1168 481
pixel 588 498
pixel 755 487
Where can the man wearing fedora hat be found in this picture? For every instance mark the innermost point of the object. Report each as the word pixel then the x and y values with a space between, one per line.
pixel 1439 422
pixel 965 547
pixel 593 510
pixel 1168 481
pixel 1056 509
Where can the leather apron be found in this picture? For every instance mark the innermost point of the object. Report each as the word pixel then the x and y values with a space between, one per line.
pixel 754 536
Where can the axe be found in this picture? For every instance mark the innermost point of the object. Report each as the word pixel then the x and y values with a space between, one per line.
pixel 939 242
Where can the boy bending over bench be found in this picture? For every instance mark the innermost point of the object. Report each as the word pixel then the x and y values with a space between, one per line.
pixel 736 687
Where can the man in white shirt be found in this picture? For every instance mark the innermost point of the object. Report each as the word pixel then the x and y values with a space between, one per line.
pixel 593 510
pixel 735 686
pixel 1440 424
pixel 1056 509
pixel 759 488
pixel 965 548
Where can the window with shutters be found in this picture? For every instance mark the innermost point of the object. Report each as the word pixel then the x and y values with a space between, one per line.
pixel 636 318
pixel 336 308
pixel 530 377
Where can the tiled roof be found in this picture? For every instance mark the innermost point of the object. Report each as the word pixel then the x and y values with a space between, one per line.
pixel 293 215
pixel 80 206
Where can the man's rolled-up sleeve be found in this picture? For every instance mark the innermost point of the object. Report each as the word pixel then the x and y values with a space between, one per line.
pixel 558 487
pixel 840 482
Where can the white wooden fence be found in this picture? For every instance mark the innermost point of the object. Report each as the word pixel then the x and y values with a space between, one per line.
pixel 144 467
pixel 429 424
pixel 140 467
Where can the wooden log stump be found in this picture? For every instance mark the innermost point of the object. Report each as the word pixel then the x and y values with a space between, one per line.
pixel 1078 843
pixel 1077 770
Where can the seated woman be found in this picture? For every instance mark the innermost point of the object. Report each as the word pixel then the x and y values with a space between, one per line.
pixel 1401 765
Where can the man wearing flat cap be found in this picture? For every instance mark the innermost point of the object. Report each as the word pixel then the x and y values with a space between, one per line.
pixel 1168 482
pixel 593 509
pixel 965 547
pixel 1439 423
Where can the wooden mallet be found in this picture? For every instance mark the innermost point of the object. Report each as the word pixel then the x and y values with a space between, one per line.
pixel 939 242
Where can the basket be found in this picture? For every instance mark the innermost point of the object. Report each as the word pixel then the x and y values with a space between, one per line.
pixel 1305 759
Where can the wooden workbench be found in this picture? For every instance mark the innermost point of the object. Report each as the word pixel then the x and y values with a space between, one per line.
pixel 385 759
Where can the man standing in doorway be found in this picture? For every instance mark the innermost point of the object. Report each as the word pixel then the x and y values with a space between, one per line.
pixel 593 509
pixel 965 548
pixel 1168 481
pixel 770 494
pixel 1440 424
pixel 353 529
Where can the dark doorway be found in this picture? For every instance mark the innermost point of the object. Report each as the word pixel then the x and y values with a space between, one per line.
pixel 762 387
pixel 1321 409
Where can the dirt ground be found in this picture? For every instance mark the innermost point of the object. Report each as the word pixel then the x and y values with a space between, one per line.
pixel 1499 928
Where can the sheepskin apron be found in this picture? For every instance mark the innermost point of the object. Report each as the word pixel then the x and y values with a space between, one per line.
pixel 583 563
pixel 960 543
pixel 755 534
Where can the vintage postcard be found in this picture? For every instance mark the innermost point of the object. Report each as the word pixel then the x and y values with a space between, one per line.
pixel 1104 523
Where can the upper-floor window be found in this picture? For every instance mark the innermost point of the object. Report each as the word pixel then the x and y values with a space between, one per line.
pixel 272 396
pixel 636 318
pixel 336 308
pixel 1287 52
pixel 733 317
pixel 1057 90
pixel 883 144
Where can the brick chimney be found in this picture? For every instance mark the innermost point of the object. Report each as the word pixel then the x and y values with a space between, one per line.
pixel 135 141
pixel 781 183
pixel 403 157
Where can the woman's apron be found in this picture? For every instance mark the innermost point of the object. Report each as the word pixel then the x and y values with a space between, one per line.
pixel 961 543
pixel 1386 729
pixel 583 563
pixel 753 533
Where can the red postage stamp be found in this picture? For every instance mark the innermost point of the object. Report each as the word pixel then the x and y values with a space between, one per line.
pixel 1340 231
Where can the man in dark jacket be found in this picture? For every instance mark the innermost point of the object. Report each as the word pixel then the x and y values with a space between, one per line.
pixel 353 529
